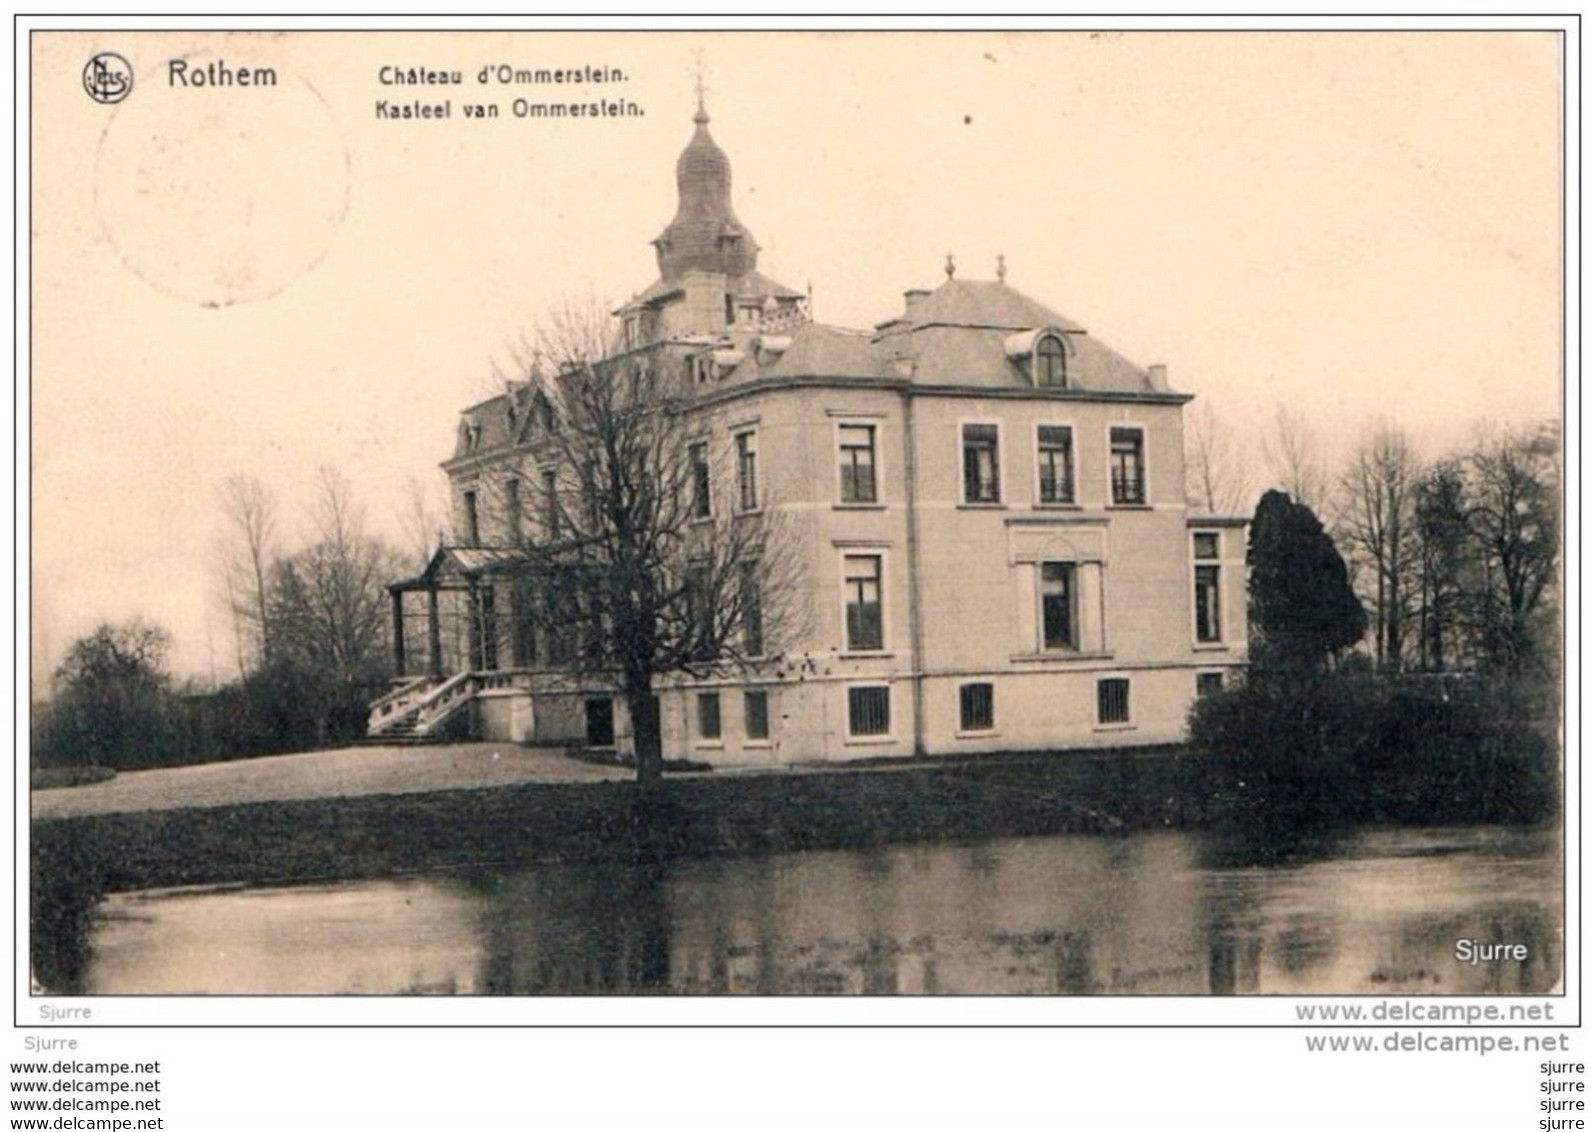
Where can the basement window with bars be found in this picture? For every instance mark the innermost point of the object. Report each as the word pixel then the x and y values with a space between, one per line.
pixel 869 711
pixel 976 708
pixel 1113 700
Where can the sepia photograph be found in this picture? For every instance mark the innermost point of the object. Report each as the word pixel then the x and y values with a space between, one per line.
pixel 795 513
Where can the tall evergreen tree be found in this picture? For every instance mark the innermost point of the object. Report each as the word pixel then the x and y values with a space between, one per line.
pixel 1302 608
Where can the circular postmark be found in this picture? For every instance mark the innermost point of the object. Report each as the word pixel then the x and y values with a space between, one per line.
pixel 108 77
pixel 223 195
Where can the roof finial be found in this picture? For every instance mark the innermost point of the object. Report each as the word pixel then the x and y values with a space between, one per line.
pixel 702 116
pixel 1002 267
pixel 952 265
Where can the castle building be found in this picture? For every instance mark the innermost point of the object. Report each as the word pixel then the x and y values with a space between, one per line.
pixel 988 505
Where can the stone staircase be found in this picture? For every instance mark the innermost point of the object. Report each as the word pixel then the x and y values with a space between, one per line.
pixel 403 733
pixel 419 712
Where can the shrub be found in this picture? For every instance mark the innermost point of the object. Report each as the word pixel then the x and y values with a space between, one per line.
pixel 1351 746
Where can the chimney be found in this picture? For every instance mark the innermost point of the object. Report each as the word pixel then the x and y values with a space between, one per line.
pixel 912 299
pixel 1158 375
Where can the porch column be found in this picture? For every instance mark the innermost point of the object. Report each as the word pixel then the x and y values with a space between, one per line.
pixel 473 635
pixel 434 638
pixel 398 631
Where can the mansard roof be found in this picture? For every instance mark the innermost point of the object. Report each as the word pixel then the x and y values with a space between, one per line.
pixel 979 303
pixel 956 336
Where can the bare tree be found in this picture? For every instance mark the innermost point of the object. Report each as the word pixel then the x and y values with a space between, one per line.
pixel 421 521
pixel 248 547
pixel 1513 483
pixel 1376 522
pixel 1214 479
pixel 642 564
pixel 1295 460
pixel 328 601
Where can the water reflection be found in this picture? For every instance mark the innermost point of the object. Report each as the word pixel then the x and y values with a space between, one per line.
pixel 1148 913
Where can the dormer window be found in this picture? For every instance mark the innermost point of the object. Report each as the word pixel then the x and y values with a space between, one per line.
pixel 1043 353
pixel 1051 362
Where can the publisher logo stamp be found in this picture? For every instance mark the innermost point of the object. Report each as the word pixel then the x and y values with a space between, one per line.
pixel 108 78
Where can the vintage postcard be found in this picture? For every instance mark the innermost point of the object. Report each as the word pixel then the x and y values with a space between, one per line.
pixel 1072 514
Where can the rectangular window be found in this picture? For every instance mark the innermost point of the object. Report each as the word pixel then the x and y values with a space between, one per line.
pixel 1055 463
pixel 857 450
pixel 975 708
pixel 1057 606
pixel 469 506
pixel 747 472
pixel 523 624
pixel 980 464
pixel 756 714
pixel 1127 465
pixel 700 612
pixel 862 582
pixel 1209 624
pixel 1204 544
pixel 698 461
pixel 709 715
pixel 512 509
pixel 558 614
pixel 551 502
pixel 752 600
pixel 1209 683
pixel 1113 700
pixel 869 711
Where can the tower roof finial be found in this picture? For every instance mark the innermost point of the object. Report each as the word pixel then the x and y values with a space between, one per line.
pixel 702 116
pixel 952 265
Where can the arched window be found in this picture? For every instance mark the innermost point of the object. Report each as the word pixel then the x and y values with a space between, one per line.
pixel 1051 362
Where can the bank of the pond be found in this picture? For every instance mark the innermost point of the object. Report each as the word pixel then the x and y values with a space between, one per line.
pixel 378 834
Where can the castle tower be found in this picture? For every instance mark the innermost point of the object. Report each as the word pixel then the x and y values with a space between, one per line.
pixel 705 234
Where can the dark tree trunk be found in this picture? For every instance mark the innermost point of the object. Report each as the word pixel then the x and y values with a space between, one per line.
pixel 644 711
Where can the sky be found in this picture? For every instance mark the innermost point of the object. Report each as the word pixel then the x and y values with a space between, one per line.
pixel 263 280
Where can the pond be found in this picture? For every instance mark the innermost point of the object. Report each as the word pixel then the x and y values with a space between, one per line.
pixel 1165 912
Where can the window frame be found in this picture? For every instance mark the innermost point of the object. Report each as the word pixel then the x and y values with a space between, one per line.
pixel 877 464
pixel 1200 563
pixel 854 736
pixel 701 505
pixel 1072 462
pixel 1128 721
pixel 1063 358
pixel 962 465
pixel 745 442
pixel 965 724
pixel 704 737
pixel 552 519
pixel 1071 593
pixel 472 535
pixel 512 508
pixel 748 695
pixel 879 554
pixel 1206 674
pixel 1145 462
pixel 752 612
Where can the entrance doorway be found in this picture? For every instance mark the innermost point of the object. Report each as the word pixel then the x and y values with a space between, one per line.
pixel 601 722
